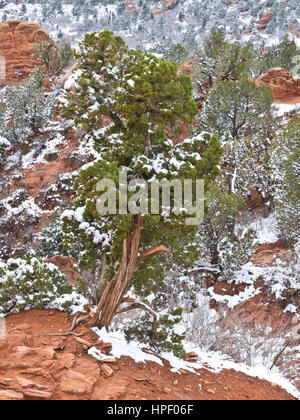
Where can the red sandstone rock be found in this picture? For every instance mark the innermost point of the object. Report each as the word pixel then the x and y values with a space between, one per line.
pixel 264 20
pixel 17 45
pixel 282 83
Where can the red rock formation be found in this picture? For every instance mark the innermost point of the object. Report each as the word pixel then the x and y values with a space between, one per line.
pixel 130 6
pixel 264 20
pixel 17 45
pixel 282 83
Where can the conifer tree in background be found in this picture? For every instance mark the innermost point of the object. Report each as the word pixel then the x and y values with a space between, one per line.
pixel 220 244
pixel 146 101
pixel 220 60
pixel 248 167
pixel 56 58
pixel 236 108
pixel 280 55
pixel 28 108
pixel 286 164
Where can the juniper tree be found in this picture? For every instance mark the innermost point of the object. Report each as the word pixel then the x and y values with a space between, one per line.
pixel 280 55
pixel 224 248
pixel 248 168
pixel 28 108
pixel 236 108
pixel 145 101
pixel 56 58
pixel 220 60
pixel 286 163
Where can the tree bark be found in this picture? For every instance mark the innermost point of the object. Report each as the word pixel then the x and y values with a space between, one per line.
pixel 113 295
pixel 114 292
pixel 101 282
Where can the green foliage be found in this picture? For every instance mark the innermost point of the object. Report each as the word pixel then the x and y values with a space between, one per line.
pixel 51 238
pixel 160 335
pixel 248 167
pixel 29 283
pixel 27 109
pixel 234 255
pixel 280 55
pixel 286 161
pixel 56 58
pixel 217 236
pixel 236 108
pixel 146 101
pixel 178 54
pixel 220 60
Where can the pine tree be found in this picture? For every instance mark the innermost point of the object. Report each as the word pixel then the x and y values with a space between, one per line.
pixel 28 108
pixel 220 60
pixel 146 101
pixel 286 164
pixel 236 108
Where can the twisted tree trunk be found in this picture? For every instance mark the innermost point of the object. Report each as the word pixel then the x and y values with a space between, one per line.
pixel 114 292
pixel 113 295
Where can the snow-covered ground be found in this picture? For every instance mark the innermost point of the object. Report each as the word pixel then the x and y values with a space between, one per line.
pixel 211 361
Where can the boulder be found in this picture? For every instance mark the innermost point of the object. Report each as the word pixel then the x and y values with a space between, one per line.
pixel 10 395
pixel 281 81
pixel 18 40
pixel 264 20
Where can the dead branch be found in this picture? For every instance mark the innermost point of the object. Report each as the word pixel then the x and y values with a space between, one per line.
pixel 138 305
pixel 84 342
pixel 161 249
pixel 80 318
pixel 65 334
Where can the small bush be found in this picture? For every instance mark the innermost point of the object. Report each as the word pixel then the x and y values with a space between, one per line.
pixel 29 283
pixel 251 342
pixel 161 335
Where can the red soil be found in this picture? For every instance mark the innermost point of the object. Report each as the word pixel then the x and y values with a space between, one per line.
pixel 36 365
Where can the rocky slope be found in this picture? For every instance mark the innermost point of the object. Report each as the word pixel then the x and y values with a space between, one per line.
pixel 34 182
pixel 35 364
pixel 160 24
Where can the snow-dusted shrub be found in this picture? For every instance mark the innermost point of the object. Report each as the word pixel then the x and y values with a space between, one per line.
pixel 203 328
pixel 234 255
pixel 5 145
pixel 30 283
pixel 286 165
pixel 27 108
pixel 162 334
pixel 283 279
pixel 222 246
pixel 51 239
pixel 250 342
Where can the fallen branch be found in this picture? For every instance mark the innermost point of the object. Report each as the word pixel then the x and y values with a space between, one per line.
pixel 65 334
pixel 84 342
pixel 138 305
pixel 280 353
